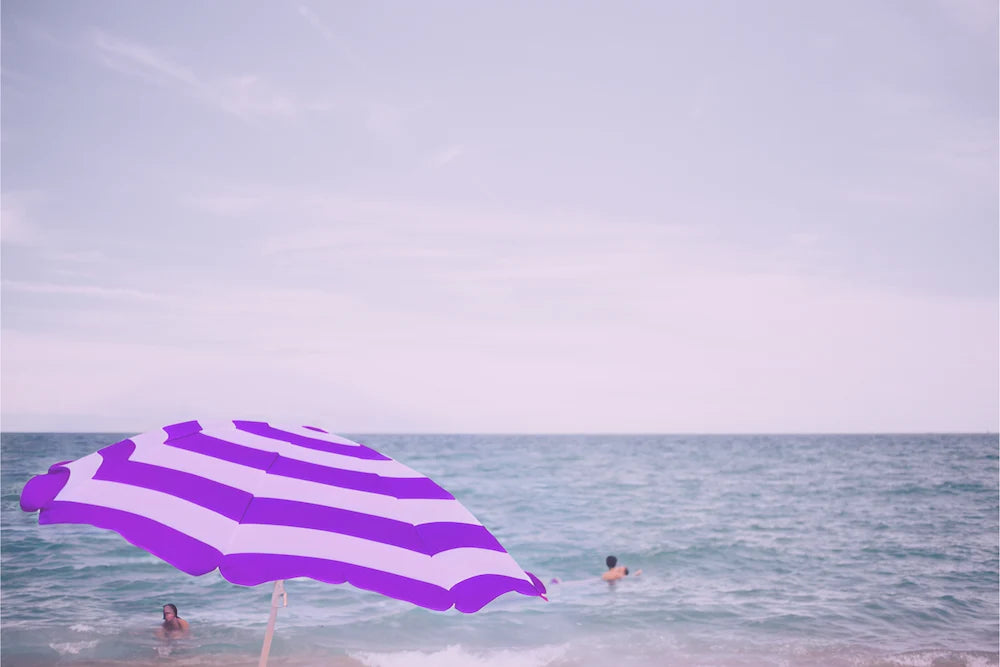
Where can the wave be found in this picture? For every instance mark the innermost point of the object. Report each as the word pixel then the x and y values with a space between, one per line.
pixel 72 648
pixel 458 656
pixel 937 658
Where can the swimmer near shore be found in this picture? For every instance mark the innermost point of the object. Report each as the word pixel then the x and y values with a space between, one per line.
pixel 173 626
pixel 616 571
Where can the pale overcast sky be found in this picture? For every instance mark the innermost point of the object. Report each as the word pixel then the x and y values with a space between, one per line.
pixel 773 216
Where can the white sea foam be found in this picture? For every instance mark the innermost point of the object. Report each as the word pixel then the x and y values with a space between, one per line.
pixel 100 630
pixel 937 658
pixel 72 648
pixel 457 656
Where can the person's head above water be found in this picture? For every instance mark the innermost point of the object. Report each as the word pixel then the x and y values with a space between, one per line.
pixel 611 561
pixel 173 626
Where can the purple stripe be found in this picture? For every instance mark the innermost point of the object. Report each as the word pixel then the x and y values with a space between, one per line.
pixel 539 586
pixel 226 500
pixel 444 535
pixel 317 428
pixel 180 550
pixel 428 538
pixel 476 592
pixel 182 430
pixel 250 569
pixel 41 490
pixel 223 449
pixel 266 430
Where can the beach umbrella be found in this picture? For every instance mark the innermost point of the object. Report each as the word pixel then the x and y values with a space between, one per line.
pixel 265 502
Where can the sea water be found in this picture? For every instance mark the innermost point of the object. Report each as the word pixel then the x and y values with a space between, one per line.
pixel 875 550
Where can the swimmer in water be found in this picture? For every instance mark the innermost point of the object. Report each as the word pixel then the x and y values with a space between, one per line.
pixel 173 625
pixel 615 571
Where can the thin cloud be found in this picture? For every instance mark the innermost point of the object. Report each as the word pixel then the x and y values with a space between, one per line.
pixel 142 61
pixel 700 99
pixel 975 16
pixel 389 122
pixel 226 205
pixel 383 226
pixel 250 96
pixel 446 155
pixel 507 251
pixel 16 227
pixel 331 37
pixel 246 96
pixel 386 122
pixel 77 256
pixel 79 290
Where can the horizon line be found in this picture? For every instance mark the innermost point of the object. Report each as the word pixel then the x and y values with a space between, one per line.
pixel 565 433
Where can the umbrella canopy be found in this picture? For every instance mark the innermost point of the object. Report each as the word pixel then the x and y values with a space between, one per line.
pixel 266 503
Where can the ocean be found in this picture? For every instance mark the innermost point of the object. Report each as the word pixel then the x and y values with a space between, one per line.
pixel 791 550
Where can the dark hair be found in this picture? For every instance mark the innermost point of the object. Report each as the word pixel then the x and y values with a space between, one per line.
pixel 611 561
pixel 171 607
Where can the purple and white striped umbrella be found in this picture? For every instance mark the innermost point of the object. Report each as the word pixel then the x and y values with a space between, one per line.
pixel 267 503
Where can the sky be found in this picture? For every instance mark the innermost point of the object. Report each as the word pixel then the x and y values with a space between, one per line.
pixel 501 217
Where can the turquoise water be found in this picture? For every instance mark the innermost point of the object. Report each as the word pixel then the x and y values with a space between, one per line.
pixel 755 550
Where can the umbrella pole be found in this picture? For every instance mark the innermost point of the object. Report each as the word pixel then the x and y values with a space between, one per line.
pixel 279 593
